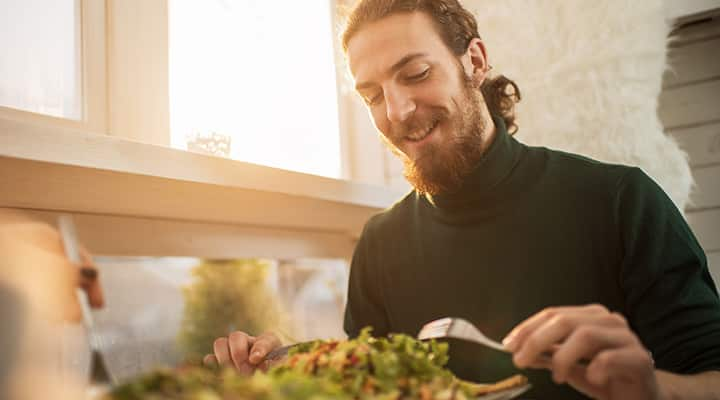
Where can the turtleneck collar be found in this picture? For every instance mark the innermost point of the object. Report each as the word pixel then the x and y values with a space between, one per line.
pixel 483 182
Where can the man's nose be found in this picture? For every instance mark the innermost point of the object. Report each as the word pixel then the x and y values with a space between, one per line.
pixel 400 106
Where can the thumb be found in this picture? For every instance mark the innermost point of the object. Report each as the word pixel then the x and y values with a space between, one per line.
pixel 577 378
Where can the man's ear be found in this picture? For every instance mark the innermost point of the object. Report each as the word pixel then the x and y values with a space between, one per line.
pixel 475 61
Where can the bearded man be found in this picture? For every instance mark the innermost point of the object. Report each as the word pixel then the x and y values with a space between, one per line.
pixel 589 262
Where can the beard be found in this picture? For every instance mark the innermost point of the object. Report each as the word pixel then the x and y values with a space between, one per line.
pixel 442 167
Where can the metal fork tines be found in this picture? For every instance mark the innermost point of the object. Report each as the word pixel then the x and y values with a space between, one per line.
pixel 457 328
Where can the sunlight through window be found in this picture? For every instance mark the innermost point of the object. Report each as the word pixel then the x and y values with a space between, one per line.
pixel 40 69
pixel 255 80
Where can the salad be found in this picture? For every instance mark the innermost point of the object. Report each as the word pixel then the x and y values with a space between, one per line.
pixel 398 367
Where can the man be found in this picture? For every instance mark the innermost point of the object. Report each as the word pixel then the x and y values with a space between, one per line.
pixel 586 261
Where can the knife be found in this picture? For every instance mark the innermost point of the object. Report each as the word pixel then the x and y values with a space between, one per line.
pixel 279 352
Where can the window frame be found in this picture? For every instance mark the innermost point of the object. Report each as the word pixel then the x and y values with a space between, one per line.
pixel 106 169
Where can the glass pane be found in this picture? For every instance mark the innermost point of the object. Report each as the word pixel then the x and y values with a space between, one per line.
pixel 40 68
pixel 255 80
pixel 168 311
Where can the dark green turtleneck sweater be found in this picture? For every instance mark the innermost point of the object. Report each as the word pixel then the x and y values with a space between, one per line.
pixel 533 228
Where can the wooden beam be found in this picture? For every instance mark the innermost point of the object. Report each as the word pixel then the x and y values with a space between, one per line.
pixel 130 236
pixel 138 57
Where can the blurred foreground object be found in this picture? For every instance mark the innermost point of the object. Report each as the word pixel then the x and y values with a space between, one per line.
pixel 99 372
pixel 39 283
pixel 33 260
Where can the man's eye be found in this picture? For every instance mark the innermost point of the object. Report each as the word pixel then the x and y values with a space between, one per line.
pixel 417 77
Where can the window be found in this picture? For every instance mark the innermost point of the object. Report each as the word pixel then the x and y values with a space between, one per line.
pixel 40 68
pixel 256 81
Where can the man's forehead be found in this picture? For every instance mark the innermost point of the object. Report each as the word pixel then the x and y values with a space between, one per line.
pixel 377 47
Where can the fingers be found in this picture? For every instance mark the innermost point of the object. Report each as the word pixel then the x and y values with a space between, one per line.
pixel 520 333
pixel 622 363
pixel 585 343
pixel 552 330
pixel 243 352
pixel 577 379
pixel 617 361
pixel 232 351
pixel 623 373
pixel 239 344
pixel 264 344
pixel 221 351
pixel 542 333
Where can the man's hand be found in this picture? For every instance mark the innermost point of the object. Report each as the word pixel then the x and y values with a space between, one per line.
pixel 244 352
pixel 618 366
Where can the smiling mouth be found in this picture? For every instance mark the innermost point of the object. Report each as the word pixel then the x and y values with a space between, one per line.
pixel 420 134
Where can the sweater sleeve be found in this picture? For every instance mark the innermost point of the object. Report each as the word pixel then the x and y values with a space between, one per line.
pixel 365 304
pixel 670 298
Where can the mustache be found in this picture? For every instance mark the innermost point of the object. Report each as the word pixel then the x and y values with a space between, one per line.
pixel 417 123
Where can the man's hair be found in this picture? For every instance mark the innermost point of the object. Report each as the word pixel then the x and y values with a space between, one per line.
pixel 457 27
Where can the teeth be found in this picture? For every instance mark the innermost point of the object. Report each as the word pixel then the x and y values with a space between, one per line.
pixel 418 135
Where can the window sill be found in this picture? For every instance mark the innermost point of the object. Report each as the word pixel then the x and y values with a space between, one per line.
pixel 133 193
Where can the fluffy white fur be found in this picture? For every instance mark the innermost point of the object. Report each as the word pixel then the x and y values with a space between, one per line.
pixel 590 73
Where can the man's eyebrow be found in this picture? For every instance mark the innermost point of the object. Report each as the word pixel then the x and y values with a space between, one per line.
pixel 395 67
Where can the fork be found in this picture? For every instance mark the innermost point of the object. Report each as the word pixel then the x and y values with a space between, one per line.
pixel 459 328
